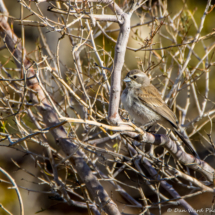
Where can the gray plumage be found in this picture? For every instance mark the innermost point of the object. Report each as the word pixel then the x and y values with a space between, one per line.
pixel 146 106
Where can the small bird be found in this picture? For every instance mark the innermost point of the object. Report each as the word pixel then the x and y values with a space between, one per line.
pixel 146 107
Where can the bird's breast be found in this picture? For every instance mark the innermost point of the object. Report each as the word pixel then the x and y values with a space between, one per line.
pixel 127 99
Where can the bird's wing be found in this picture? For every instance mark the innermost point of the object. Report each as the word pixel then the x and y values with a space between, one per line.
pixel 151 98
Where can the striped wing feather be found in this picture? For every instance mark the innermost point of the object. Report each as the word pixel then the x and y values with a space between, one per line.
pixel 152 99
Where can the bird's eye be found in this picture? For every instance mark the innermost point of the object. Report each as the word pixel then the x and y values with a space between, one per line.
pixel 135 76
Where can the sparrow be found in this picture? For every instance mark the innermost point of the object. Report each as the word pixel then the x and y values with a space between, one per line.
pixel 146 107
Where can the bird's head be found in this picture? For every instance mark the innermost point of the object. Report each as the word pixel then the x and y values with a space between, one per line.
pixel 136 78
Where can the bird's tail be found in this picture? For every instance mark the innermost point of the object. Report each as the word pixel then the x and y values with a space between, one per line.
pixel 187 142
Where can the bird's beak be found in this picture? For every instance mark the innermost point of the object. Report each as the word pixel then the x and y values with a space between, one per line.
pixel 127 79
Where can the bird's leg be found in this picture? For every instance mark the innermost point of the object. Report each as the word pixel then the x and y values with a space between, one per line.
pixel 148 125
pixel 147 130
pixel 168 132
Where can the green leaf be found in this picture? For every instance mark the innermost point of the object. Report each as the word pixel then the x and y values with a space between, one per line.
pixel 3 126
pixel 116 146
